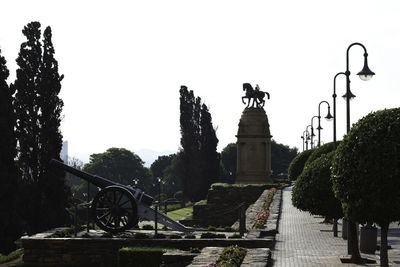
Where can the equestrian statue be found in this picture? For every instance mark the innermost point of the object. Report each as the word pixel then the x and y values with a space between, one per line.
pixel 254 94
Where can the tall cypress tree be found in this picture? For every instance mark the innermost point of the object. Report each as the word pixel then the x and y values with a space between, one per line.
pixel 38 111
pixel 28 127
pixel 208 151
pixel 9 222
pixel 52 180
pixel 198 161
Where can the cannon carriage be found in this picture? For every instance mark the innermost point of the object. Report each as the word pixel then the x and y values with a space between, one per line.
pixel 116 207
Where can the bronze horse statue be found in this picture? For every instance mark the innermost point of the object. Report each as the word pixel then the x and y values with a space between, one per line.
pixel 254 94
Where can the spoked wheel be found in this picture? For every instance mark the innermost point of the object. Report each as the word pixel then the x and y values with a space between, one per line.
pixel 114 209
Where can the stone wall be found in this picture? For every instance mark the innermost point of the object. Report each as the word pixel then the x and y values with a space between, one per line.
pixel 223 200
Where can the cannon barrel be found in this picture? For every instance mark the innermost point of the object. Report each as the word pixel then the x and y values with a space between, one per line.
pixel 93 179
pixel 103 182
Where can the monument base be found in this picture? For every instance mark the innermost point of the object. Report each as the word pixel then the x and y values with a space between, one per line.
pixel 253 148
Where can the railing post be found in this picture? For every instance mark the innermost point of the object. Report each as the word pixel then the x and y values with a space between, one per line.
pixel 156 219
pixel 242 219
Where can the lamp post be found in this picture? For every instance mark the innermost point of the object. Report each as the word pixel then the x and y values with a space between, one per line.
pixel 328 117
pixel 334 107
pixel 307 136
pixel 365 74
pixel 304 137
pixel 312 131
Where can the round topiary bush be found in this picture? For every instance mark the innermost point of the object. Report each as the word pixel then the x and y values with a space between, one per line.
pixel 313 192
pixel 366 172
pixel 319 151
pixel 297 164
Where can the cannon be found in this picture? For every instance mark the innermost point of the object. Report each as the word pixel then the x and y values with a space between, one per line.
pixel 116 207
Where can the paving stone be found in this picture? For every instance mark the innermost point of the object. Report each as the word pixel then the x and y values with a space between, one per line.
pixel 303 240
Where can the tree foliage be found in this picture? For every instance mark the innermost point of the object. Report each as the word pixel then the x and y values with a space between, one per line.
pixel 38 113
pixel 9 223
pixel 313 192
pixel 281 157
pixel 317 152
pixel 121 166
pixel 366 171
pixel 229 163
pixel 297 165
pixel 198 162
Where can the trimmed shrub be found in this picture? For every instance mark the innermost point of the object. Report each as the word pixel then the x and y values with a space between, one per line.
pixel 319 151
pixel 366 172
pixel 141 256
pixel 297 164
pixel 313 192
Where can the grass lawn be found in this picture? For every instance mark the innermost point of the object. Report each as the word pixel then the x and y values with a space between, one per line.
pixel 179 214
pixel 12 256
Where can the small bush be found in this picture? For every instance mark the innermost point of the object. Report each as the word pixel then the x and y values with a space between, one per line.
pixel 159 236
pixel 141 236
pixel 235 236
pixel 212 228
pixel 175 236
pixel 107 235
pixel 212 235
pixel 228 229
pixel 195 250
pixel 148 227
pixel 190 236
pixel 61 234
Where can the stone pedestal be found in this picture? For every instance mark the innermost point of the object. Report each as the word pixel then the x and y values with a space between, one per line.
pixel 253 148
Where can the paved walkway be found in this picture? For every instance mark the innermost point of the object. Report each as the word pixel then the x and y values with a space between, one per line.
pixel 304 241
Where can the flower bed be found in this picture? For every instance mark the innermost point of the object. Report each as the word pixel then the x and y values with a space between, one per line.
pixel 263 214
pixel 230 257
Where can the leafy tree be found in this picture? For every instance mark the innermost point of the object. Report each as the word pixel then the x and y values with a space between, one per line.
pixel 366 173
pixel 9 223
pixel 160 164
pixel 229 162
pixel 38 113
pixel 281 157
pixel 313 192
pixel 121 166
pixel 297 165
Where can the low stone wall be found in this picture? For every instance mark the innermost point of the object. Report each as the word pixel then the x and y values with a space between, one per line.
pixel 221 208
pixel 103 252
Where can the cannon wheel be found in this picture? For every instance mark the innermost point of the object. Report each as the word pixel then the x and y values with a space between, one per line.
pixel 114 209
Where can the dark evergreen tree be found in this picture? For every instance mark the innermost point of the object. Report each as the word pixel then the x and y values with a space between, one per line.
pixel 188 170
pixel 9 222
pixel 208 152
pixel 281 157
pixel 198 162
pixel 28 127
pixel 38 112
pixel 52 180
pixel 229 163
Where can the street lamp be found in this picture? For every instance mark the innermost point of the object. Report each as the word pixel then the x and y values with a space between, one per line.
pixel 328 117
pixel 365 74
pixel 304 137
pixel 307 136
pixel 312 131
pixel 334 108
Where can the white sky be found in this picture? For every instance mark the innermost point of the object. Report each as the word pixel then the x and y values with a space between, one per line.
pixel 124 62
